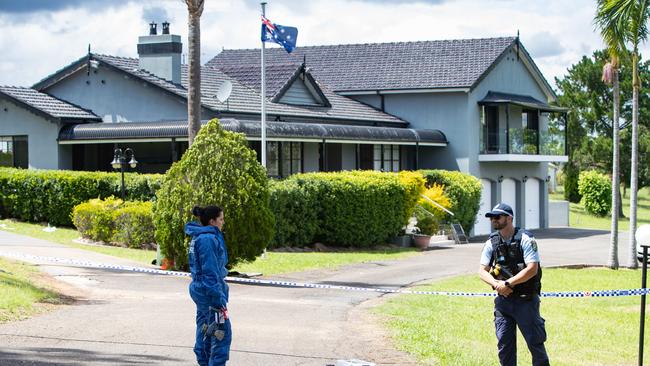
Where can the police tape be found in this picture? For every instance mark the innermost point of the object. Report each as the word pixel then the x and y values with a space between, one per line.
pixel 278 283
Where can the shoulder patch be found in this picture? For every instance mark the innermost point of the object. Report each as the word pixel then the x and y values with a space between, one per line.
pixel 533 244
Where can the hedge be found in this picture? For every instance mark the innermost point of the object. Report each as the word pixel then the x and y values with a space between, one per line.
pixel 596 191
pixel 360 208
pixel 127 224
pixel 463 191
pixel 50 195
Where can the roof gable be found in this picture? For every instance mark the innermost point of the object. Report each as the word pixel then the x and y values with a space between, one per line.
pixel 46 105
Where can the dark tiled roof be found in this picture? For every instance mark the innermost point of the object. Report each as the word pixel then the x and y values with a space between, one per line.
pixel 381 66
pixel 47 104
pixel 276 76
pixel 246 99
pixel 315 131
pixel 522 100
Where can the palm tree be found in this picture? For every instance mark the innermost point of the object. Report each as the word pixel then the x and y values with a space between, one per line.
pixel 629 21
pixel 616 47
pixel 194 10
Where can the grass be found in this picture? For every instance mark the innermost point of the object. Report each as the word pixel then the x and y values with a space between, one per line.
pixel 66 236
pixel 272 263
pixel 20 290
pixel 277 263
pixel 579 218
pixel 440 330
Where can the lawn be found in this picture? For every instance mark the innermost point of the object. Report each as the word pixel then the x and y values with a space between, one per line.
pixel 579 218
pixel 440 330
pixel 66 236
pixel 21 291
pixel 270 264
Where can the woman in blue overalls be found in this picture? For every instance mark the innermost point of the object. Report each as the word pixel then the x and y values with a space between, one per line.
pixel 208 258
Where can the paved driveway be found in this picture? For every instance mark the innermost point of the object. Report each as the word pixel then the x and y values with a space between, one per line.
pixel 126 318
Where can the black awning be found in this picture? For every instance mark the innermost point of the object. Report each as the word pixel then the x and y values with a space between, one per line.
pixel 521 100
pixel 162 130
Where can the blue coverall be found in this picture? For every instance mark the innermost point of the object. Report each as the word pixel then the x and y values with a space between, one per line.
pixel 208 258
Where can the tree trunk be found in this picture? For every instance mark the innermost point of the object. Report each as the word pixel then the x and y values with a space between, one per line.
pixel 194 8
pixel 634 169
pixel 621 215
pixel 613 242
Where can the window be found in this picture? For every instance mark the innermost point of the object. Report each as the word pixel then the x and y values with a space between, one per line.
pixel 283 158
pixel 386 158
pixel 13 151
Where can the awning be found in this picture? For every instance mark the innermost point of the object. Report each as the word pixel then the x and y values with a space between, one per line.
pixel 276 131
pixel 525 101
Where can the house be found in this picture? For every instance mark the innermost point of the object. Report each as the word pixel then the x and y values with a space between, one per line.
pixel 486 95
pixel 480 106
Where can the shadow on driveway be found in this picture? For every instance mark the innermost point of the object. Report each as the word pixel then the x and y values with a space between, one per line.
pixel 57 356
pixel 554 233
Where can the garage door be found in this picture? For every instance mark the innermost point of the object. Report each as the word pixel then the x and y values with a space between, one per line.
pixel 532 204
pixel 482 224
pixel 509 194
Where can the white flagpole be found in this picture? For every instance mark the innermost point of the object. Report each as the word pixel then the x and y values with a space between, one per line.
pixel 263 119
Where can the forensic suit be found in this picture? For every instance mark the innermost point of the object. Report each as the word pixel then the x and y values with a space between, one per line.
pixel 208 258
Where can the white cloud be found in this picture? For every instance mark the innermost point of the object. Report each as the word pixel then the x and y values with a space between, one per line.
pixel 35 44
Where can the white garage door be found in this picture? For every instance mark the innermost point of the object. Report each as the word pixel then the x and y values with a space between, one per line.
pixel 482 224
pixel 532 204
pixel 509 195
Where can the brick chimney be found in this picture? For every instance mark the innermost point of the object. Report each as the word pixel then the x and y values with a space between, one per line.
pixel 160 54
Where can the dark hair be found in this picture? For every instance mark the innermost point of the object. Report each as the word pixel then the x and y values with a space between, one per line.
pixel 207 213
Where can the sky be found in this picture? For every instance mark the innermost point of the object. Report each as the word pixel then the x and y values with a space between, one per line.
pixel 39 37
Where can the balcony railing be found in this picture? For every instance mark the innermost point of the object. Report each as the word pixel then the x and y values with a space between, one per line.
pixel 523 142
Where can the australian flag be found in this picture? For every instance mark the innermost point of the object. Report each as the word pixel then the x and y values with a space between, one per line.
pixel 280 34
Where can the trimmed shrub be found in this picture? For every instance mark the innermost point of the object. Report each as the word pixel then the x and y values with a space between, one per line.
pixel 359 208
pixel 463 191
pixel 133 224
pixel 296 214
pixel 50 195
pixel 94 219
pixel 414 184
pixel 218 169
pixel 596 191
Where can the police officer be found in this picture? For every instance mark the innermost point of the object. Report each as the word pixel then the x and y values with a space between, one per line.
pixel 510 265
pixel 208 258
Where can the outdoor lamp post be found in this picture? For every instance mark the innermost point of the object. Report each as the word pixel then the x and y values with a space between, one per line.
pixel 643 239
pixel 120 160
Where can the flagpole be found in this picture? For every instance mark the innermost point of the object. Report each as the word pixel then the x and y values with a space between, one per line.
pixel 263 119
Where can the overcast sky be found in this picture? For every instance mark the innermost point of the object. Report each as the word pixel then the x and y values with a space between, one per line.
pixel 39 37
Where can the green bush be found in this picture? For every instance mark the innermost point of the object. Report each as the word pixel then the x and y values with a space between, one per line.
pixel 127 224
pixel 596 191
pixel 571 177
pixel 463 191
pixel 296 214
pixel 94 219
pixel 133 224
pixel 50 195
pixel 217 169
pixel 360 208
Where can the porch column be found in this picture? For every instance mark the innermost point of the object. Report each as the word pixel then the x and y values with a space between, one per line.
pixel 507 128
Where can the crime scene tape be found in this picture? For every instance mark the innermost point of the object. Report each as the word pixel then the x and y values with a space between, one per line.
pixel 278 283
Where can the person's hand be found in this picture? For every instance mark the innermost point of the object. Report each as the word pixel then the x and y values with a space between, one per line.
pixel 502 289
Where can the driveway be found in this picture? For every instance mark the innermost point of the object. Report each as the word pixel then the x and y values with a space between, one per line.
pixel 128 318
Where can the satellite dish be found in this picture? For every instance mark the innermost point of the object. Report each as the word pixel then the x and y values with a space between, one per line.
pixel 224 91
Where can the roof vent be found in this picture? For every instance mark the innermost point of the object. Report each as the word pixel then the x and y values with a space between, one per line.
pixel 165 28
pixel 153 28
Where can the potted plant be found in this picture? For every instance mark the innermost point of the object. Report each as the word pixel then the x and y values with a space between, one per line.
pixel 427 225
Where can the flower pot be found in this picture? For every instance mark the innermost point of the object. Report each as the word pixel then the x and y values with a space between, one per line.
pixel 421 241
